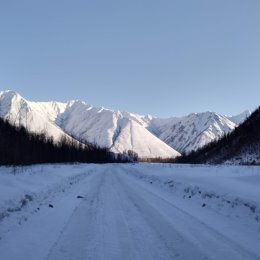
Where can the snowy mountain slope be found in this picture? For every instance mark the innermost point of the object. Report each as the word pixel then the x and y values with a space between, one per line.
pixel 240 118
pixel 193 131
pixel 35 117
pixel 242 146
pixel 137 138
pixel 120 131
pixel 85 122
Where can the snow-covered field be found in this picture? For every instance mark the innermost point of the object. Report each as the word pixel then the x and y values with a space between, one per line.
pixel 129 211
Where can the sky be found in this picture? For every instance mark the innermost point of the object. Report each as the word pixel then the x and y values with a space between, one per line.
pixel 165 58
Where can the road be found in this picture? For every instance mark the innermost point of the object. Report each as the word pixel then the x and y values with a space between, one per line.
pixel 120 217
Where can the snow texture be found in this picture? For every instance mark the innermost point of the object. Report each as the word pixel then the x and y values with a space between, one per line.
pixel 141 211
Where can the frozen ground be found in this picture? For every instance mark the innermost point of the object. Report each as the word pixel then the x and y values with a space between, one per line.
pixel 142 211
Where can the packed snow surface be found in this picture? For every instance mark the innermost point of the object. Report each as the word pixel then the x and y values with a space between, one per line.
pixel 127 211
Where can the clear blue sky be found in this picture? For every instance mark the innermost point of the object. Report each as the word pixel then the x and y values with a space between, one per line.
pixel 160 57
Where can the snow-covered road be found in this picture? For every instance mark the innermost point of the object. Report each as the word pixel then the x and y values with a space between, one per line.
pixel 133 212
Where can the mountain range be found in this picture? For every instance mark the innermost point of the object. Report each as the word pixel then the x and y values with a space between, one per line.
pixel 148 136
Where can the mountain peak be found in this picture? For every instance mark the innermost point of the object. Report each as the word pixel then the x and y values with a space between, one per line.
pixel 9 94
pixel 240 118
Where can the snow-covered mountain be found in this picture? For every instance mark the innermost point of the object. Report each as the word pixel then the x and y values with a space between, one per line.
pixel 193 131
pixel 242 146
pixel 37 117
pixel 116 130
pixel 119 131
pixel 240 118
pixel 106 128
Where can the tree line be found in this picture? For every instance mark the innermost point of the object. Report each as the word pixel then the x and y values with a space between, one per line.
pixel 20 147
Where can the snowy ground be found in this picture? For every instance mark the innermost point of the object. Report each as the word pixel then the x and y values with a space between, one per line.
pixel 142 211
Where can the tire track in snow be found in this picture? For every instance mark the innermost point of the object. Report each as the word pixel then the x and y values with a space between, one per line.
pixel 213 244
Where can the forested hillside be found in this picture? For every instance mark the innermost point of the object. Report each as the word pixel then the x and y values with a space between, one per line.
pixel 17 146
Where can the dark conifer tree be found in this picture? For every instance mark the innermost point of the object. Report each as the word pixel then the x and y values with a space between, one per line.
pixel 19 147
